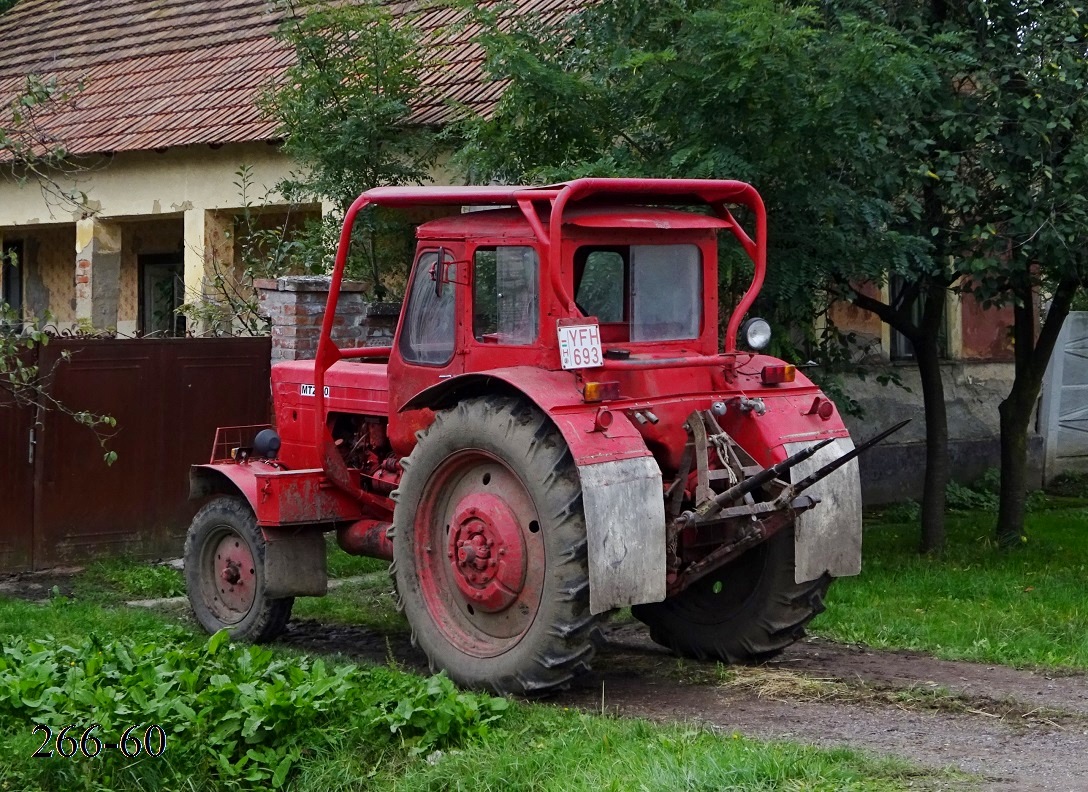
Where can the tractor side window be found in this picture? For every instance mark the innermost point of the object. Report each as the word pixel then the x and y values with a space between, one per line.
pixel 666 292
pixel 505 295
pixel 429 322
pixel 600 290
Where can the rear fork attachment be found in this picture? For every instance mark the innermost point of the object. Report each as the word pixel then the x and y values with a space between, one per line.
pixel 732 520
pixel 701 540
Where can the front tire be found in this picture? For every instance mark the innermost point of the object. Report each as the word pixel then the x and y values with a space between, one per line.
pixel 747 611
pixel 224 573
pixel 489 549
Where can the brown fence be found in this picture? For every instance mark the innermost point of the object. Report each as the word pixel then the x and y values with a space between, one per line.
pixel 60 503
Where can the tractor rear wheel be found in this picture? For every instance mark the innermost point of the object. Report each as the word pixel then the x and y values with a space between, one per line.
pixel 748 610
pixel 224 573
pixel 489 549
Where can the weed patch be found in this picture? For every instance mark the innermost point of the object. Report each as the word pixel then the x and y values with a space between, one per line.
pixel 236 716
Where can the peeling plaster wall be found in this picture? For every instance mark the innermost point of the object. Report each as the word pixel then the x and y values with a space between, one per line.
pixel 48 275
pixel 140 237
pixel 894 470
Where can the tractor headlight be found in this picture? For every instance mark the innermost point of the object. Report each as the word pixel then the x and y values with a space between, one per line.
pixel 756 333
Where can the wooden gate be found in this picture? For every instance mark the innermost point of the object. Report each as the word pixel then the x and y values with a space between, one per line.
pixel 62 504
pixel 1063 414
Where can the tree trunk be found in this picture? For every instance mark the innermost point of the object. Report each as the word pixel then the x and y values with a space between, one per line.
pixel 936 477
pixel 1015 417
pixel 1032 357
pixel 925 338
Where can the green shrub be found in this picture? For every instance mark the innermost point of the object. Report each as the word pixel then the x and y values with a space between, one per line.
pixel 984 494
pixel 1069 485
pixel 234 716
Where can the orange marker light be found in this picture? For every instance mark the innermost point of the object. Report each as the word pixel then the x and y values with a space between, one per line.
pixel 773 375
pixel 601 391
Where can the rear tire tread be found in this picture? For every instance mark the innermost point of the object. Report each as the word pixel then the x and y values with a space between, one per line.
pixel 771 619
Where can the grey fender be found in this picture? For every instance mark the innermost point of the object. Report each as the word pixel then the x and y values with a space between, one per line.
pixel 827 538
pixel 625 532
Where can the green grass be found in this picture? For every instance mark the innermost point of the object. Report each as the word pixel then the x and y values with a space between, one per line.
pixel 126 579
pixel 342 565
pixel 546 749
pixel 368 603
pixel 1024 607
pixel 532 747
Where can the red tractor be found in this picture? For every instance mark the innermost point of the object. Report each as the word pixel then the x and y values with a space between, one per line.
pixel 552 435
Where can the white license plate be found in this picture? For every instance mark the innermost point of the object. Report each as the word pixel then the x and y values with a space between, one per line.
pixel 580 346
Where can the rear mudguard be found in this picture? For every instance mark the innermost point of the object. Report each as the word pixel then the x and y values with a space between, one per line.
pixel 828 538
pixel 622 494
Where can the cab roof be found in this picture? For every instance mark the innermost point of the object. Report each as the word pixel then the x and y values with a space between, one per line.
pixel 507 222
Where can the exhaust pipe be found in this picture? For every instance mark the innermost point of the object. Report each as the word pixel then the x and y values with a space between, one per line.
pixel 366 538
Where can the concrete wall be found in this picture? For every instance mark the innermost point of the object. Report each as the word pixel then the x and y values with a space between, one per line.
pixel 893 471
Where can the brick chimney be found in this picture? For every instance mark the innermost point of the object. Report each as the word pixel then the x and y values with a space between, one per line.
pixel 296 307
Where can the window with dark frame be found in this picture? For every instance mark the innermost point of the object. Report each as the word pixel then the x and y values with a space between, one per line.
pixel 901 347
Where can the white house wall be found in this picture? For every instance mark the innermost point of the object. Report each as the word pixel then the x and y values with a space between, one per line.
pixel 150 183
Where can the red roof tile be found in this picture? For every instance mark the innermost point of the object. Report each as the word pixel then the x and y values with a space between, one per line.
pixel 158 73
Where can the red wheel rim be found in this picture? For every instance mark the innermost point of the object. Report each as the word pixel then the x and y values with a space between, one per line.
pixel 230 580
pixel 480 553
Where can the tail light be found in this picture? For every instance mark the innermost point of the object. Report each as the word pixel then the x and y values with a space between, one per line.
pixel 775 375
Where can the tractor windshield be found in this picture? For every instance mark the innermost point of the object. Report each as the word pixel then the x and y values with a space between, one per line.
pixel 645 292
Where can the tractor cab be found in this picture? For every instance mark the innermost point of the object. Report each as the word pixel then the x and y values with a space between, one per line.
pixel 483 286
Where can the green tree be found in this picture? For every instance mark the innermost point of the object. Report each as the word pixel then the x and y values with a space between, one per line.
pixel 1030 91
pixel 344 111
pixel 812 105
pixel 1006 165
pixel 942 144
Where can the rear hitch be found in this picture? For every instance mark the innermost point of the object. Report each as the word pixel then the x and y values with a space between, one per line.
pixel 750 523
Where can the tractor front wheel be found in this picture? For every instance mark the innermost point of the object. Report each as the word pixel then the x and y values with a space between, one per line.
pixel 224 573
pixel 746 611
pixel 489 549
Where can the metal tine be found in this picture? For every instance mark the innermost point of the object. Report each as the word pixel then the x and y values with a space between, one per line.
pixel 831 467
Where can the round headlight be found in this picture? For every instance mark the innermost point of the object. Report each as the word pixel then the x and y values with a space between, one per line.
pixel 756 333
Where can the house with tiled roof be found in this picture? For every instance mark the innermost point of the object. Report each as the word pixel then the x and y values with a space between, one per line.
pixel 162 115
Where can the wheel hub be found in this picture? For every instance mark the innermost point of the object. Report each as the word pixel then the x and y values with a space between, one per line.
pixel 487 552
pixel 234 576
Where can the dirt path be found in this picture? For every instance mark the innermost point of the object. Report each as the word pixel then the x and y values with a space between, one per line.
pixel 1017 730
